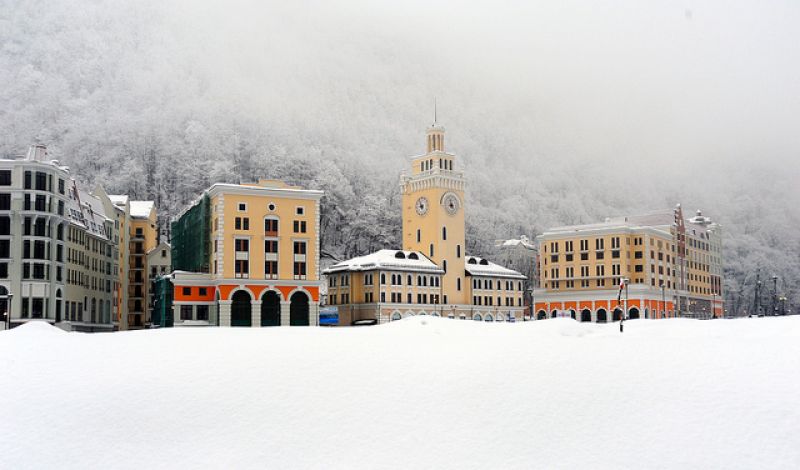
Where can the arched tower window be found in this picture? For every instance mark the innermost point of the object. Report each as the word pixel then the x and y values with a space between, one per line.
pixel 431 250
pixel 444 233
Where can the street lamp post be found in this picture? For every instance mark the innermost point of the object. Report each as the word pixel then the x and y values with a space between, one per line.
pixel 663 301
pixel 9 298
pixel 713 304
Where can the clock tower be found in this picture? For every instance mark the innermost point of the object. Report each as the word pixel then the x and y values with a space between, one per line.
pixel 433 214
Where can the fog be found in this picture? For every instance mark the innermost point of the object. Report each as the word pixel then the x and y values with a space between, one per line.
pixel 560 112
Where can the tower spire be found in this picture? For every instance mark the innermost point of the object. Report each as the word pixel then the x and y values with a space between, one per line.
pixel 434 110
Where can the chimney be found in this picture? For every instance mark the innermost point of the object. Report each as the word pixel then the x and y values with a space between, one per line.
pixel 37 153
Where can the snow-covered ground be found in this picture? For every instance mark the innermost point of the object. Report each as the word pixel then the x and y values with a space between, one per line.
pixel 420 393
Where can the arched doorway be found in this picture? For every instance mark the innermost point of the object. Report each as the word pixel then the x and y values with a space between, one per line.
pixel 633 313
pixel 541 315
pixel 586 315
pixel 396 316
pixel 554 314
pixel 488 317
pixel 617 315
pixel 241 313
pixel 298 309
pixel 572 313
pixel 602 316
pixel 477 317
pixel 270 309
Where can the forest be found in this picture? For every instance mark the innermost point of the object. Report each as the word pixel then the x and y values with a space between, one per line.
pixel 161 99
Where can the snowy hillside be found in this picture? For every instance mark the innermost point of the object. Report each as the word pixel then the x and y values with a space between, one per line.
pixel 421 393
pixel 559 113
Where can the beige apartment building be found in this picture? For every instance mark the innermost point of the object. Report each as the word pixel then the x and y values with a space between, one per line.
pixel 673 267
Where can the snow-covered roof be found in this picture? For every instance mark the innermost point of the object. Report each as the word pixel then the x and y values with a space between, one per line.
pixel 397 260
pixel 141 209
pixel 87 211
pixel 482 267
pixel 523 241
pixel 118 199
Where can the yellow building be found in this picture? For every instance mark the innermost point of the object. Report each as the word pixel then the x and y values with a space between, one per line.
pixel 432 274
pixel 143 238
pixel 248 255
pixel 664 258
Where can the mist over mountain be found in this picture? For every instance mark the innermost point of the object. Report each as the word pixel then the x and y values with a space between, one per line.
pixel 559 113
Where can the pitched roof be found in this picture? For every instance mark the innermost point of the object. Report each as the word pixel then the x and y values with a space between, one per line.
pixel 476 266
pixel 397 260
pixel 141 208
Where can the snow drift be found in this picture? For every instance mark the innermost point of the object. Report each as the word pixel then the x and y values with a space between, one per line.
pixel 424 392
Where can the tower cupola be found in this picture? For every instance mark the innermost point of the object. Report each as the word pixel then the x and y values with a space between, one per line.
pixel 435 138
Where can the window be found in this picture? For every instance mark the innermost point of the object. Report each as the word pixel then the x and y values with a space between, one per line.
pixel 299 269
pixel 300 210
pixel 187 291
pixel 419 235
pixel 444 233
pixel 5 225
pixel 60 186
pixel 242 245
pixel 5 177
pixel 202 312
pixel 270 246
pixel 299 226
pixel 242 207
pixel 271 269
pixel 242 268
pixel 5 202
pixel 186 312
pixel 638 255
pixel 41 181
pixel 458 284
pixel 299 248
pixel 458 251
pixel 242 223
pixel 431 250
pixel 271 227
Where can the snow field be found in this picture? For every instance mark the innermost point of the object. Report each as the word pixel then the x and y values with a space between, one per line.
pixel 419 393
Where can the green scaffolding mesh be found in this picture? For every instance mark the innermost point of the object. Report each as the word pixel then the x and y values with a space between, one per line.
pixel 191 244
pixel 162 305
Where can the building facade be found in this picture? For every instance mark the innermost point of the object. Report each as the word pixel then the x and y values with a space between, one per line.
pixel 56 247
pixel 247 255
pixel 673 267
pixel 390 284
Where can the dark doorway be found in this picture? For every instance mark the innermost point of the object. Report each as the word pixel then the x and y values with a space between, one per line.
pixel 602 316
pixel 298 310
pixel 541 315
pixel 586 315
pixel 271 309
pixel 634 313
pixel 617 315
pixel 241 314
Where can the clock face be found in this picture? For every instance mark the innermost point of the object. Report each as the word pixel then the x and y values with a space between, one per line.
pixel 451 203
pixel 422 206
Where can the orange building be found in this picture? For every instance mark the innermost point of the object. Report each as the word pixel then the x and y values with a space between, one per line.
pixel 247 255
